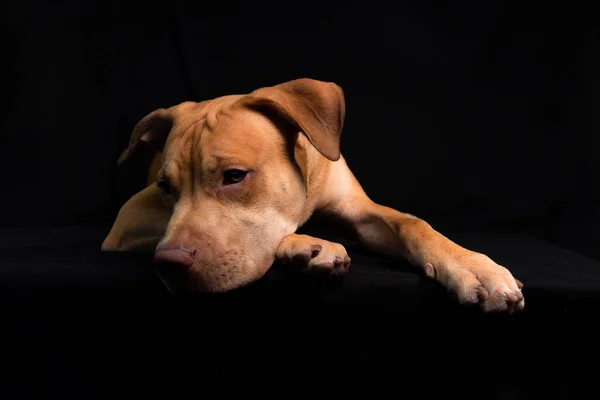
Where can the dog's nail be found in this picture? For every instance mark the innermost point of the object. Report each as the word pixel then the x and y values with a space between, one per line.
pixel 520 296
pixel 514 297
pixel 336 272
pixel 519 284
pixel 315 249
pixel 340 266
pixel 429 270
pixel 323 268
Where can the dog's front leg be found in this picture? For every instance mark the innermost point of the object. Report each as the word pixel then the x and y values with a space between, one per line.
pixel 473 277
pixel 313 255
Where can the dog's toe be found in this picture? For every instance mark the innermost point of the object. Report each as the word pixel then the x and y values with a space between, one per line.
pixel 477 280
pixel 316 256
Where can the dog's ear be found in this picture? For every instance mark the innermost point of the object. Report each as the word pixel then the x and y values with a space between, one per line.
pixel 152 130
pixel 315 107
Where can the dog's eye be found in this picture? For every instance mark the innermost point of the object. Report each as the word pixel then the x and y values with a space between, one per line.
pixel 232 176
pixel 164 186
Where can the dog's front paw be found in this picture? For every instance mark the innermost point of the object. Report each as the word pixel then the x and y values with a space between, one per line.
pixel 314 255
pixel 474 278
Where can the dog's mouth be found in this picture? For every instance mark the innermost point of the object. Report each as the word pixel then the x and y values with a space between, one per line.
pixel 180 280
pixel 182 271
pixel 177 280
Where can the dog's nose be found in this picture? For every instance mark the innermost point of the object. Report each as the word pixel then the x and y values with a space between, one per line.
pixel 174 254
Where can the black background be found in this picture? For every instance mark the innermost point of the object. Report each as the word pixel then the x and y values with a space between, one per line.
pixel 472 115
pixel 476 116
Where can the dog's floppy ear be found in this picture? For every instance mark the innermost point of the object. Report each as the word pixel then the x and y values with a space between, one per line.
pixel 151 130
pixel 317 108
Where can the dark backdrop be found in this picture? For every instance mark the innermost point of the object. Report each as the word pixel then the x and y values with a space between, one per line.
pixel 473 115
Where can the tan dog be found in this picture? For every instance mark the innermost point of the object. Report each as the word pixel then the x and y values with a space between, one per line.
pixel 236 176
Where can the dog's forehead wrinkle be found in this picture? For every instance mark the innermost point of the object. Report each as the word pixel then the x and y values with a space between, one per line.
pixel 213 118
pixel 184 140
pixel 244 121
pixel 240 140
pixel 194 148
pixel 216 108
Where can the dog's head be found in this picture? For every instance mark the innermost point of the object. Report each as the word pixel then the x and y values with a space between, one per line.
pixel 229 171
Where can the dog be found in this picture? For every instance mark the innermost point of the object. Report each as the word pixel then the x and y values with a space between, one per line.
pixel 233 178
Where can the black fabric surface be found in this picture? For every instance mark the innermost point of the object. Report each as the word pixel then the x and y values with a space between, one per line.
pixel 81 323
pixel 475 116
